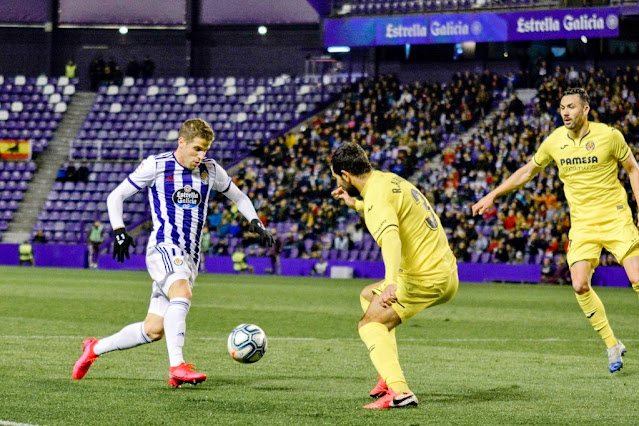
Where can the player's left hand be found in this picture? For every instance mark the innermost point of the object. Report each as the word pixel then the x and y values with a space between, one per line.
pixel 388 296
pixel 266 238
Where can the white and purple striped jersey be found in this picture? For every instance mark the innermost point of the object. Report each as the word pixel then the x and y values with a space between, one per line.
pixel 179 198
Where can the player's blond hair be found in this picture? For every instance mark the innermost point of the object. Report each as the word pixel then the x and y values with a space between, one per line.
pixel 196 128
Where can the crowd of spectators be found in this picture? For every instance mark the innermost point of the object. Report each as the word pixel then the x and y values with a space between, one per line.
pixel 103 72
pixel 413 130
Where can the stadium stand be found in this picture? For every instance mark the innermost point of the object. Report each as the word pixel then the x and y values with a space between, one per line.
pixel 142 116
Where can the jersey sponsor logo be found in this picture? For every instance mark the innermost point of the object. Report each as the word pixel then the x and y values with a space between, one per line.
pixel 370 208
pixel 578 160
pixel 590 146
pixel 169 178
pixel 564 146
pixel 187 198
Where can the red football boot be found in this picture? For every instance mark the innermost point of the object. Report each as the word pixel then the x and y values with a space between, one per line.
pixel 380 389
pixel 184 373
pixel 394 400
pixel 88 357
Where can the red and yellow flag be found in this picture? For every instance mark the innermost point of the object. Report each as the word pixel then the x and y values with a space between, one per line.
pixel 15 150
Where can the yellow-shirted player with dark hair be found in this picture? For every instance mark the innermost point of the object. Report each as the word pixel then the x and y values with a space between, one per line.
pixel 587 155
pixel 420 268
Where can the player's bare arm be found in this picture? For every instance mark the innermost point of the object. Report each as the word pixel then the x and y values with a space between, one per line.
pixel 522 176
pixel 631 167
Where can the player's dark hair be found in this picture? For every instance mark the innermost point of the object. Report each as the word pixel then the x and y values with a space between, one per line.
pixel 583 94
pixel 196 128
pixel 351 158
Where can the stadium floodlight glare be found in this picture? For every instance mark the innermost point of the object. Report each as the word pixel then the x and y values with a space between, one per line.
pixel 262 30
pixel 338 49
pixel 123 30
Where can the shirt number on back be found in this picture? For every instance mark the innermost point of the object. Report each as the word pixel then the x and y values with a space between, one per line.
pixel 431 220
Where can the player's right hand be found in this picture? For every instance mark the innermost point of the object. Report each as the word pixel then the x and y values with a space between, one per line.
pixel 340 193
pixel 482 205
pixel 121 242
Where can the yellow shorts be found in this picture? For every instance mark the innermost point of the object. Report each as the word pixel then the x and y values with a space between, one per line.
pixel 416 294
pixel 620 238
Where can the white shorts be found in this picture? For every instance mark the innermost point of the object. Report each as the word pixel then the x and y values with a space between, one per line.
pixel 166 264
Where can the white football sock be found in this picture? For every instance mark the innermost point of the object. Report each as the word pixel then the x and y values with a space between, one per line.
pixel 129 337
pixel 175 328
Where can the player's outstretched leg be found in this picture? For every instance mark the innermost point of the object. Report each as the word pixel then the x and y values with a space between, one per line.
pixel 184 373
pixel 88 357
pixel 615 354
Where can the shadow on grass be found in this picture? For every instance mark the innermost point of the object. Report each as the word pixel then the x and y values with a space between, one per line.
pixel 504 393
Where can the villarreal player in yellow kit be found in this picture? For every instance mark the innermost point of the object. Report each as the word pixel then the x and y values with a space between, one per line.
pixel 420 268
pixel 587 155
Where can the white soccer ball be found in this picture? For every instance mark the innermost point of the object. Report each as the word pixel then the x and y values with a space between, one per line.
pixel 247 343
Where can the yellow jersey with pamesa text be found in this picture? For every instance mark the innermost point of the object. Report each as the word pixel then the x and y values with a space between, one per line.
pixel 589 169
pixel 392 202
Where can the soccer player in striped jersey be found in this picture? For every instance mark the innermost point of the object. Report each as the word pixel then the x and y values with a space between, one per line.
pixel 588 155
pixel 178 184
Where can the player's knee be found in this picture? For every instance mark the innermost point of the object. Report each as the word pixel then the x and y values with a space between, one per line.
pixel 154 328
pixel 155 335
pixel 580 286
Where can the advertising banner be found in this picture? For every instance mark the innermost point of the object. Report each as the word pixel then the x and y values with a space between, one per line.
pixel 478 27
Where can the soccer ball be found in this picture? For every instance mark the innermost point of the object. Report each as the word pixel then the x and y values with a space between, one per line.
pixel 247 343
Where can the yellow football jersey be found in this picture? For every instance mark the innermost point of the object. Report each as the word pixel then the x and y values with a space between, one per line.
pixel 392 202
pixel 589 170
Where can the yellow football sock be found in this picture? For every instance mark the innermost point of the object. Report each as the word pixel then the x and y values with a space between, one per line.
pixel 378 340
pixel 635 287
pixel 365 304
pixel 596 314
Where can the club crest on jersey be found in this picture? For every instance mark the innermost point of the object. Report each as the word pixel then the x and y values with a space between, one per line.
pixel 187 198
pixel 590 146
pixel 204 175
pixel 178 261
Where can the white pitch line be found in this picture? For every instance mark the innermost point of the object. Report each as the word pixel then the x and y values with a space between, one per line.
pixel 347 339
pixel 7 423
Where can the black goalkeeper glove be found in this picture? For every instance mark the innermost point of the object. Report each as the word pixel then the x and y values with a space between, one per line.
pixel 263 234
pixel 121 242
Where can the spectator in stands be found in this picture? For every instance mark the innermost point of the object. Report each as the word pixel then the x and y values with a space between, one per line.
pixel 96 72
pixel 320 267
pixel 83 173
pixel 340 242
pixel 95 242
pixel 39 237
pixel 71 173
pixel 61 176
pixel 239 261
pixel 25 252
pixel 274 253
pixel 205 247
pixel 148 67
pixel 548 271
pixel 562 272
pixel 133 68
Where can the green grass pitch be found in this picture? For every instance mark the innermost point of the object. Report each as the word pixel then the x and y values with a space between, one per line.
pixel 496 354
